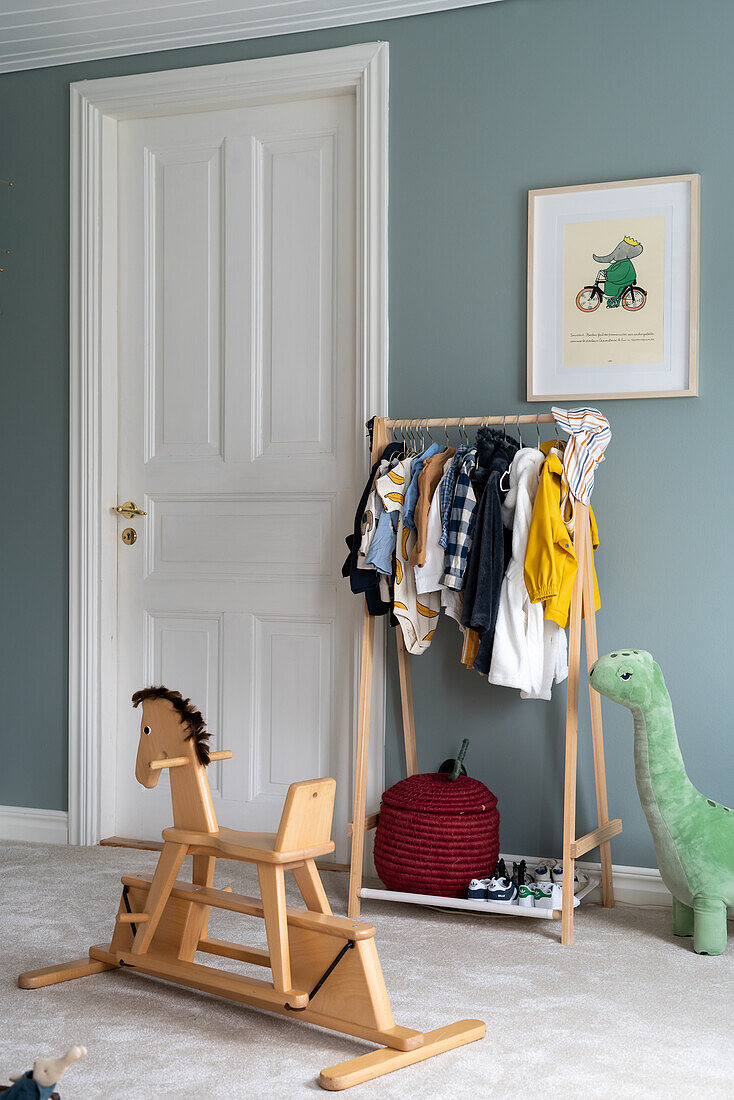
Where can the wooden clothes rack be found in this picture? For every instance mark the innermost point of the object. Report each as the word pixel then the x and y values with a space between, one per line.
pixel 582 604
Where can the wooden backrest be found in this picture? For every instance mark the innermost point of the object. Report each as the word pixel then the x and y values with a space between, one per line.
pixel 307 814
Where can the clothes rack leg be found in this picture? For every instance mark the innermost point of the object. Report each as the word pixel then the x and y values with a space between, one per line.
pixel 360 774
pixel 597 735
pixel 380 438
pixel 572 726
pixel 406 699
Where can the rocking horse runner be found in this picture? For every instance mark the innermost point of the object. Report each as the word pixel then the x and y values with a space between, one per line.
pixel 325 969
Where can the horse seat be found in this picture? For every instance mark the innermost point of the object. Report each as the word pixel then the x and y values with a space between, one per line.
pixel 304 831
pixel 249 847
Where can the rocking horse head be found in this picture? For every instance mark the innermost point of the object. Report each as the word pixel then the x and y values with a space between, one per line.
pixel 173 735
pixel 171 727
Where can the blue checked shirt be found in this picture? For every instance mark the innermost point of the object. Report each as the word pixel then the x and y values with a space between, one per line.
pixel 447 487
pixel 461 523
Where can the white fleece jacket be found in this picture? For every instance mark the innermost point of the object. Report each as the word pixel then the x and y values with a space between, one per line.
pixel 529 652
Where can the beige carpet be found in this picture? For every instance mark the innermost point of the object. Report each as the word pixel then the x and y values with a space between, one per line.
pixel 628 1011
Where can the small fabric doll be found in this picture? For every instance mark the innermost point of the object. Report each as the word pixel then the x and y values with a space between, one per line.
pixel 38 1083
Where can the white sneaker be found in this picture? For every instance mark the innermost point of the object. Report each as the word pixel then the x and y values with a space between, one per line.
pixel 543 895
pixel 543 872
pixel 580 879
pixel 526 895
pixel 549 895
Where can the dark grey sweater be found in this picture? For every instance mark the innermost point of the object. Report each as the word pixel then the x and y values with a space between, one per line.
pixel 490 549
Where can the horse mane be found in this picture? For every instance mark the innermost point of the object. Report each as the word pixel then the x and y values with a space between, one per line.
pixel 193 718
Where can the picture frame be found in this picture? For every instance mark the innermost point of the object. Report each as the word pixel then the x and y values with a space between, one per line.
pixel 613 290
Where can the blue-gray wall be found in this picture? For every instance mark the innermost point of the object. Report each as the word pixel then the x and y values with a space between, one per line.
pixel 485 103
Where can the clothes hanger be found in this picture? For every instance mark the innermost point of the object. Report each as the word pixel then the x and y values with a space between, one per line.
pixel 396 429
pixel 404 451
pixel 505 473
pixel 522 444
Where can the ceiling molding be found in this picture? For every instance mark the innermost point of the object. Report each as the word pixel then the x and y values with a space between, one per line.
pixel 35 35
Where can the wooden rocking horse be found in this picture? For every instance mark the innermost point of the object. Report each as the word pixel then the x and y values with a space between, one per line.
pixel 325 969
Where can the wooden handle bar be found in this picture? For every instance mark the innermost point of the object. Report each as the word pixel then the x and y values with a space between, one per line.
pixel 469 421
pixel 169 762
pixel 179 761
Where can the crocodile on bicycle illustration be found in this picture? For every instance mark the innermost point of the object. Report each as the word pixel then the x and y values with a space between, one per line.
pixel 617 283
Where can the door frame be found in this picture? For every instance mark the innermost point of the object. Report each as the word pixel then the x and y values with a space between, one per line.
pixel 97 107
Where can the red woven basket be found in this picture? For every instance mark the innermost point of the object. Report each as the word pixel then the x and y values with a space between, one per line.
pixel 434 835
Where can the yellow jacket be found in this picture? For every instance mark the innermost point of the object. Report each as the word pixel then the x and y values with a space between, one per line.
pixel 550 560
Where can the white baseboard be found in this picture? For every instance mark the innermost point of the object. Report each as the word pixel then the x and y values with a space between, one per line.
pixel 42 826
pixel 632 885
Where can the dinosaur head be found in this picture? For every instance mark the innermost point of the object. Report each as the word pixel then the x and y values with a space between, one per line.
pixel 628 676
pixel 627 249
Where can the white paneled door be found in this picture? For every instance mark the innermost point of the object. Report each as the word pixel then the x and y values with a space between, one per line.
pixel 237 398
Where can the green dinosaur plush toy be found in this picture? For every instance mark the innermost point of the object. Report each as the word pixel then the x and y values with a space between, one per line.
pixel 693 835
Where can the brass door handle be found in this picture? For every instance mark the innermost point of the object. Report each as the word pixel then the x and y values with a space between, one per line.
pixel 129 509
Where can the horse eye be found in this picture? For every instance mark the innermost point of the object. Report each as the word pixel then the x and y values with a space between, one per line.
pixel 625 675
pixel 146 729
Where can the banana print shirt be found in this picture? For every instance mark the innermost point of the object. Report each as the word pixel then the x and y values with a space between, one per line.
pixel 417 617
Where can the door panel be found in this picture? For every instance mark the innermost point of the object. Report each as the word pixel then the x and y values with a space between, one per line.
pixel 295 409
pixel 183 289
pixel 237 399
pixel 305 648
pixel 246 536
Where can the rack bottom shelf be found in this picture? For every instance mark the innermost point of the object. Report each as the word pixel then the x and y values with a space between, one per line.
pixel 489 908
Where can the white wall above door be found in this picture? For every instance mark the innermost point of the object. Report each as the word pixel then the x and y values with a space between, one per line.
pixel 62 31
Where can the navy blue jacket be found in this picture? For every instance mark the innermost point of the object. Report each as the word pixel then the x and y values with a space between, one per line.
pixel 490 549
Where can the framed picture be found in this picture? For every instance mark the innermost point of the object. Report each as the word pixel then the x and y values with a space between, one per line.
pixel 613 290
